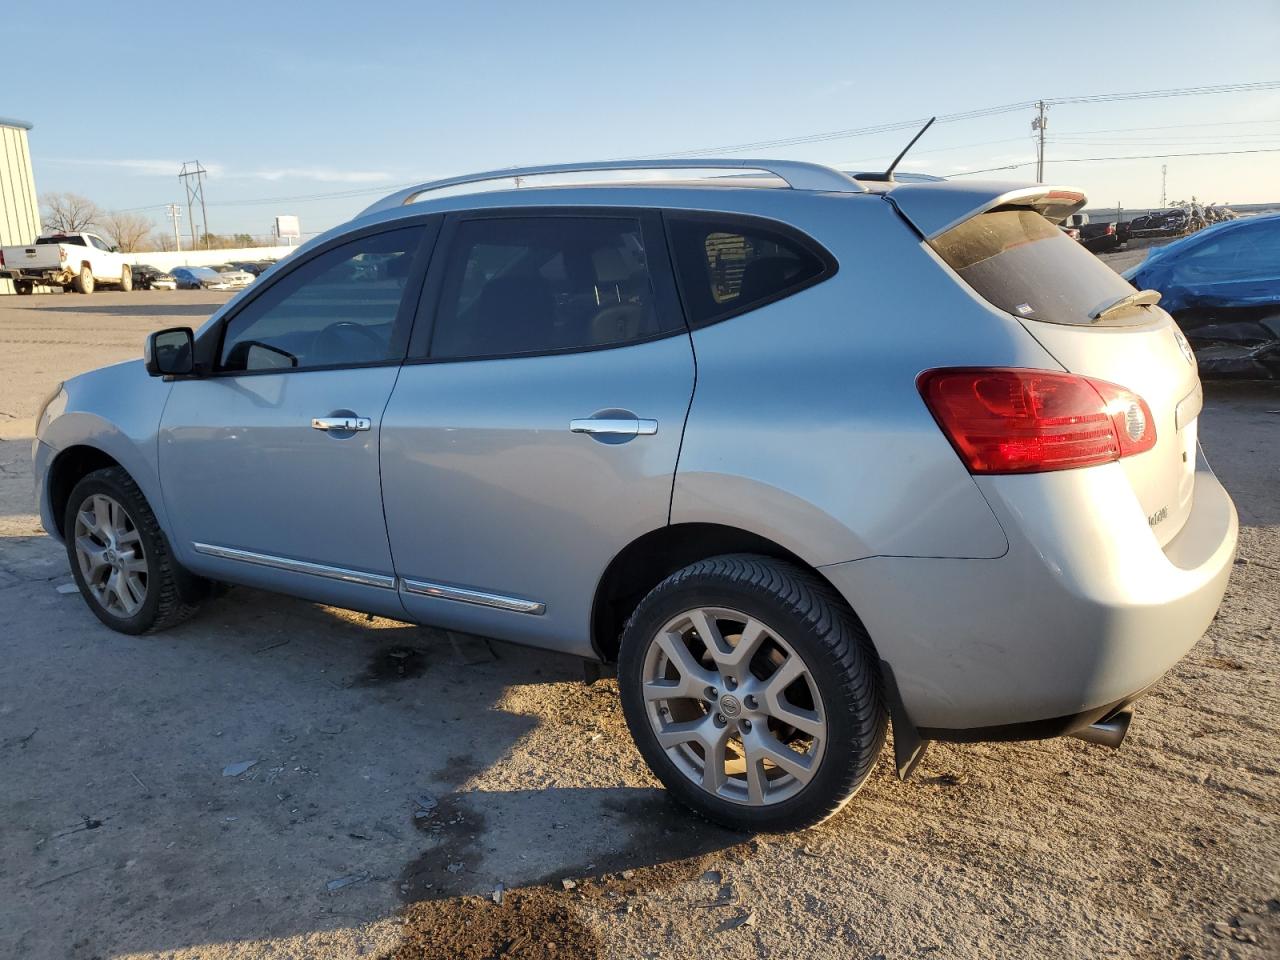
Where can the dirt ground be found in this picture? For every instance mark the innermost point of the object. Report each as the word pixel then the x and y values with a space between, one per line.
pixel 399 776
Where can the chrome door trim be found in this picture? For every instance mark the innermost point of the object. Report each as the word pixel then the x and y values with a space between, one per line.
pixel 361 577
pixel 498 601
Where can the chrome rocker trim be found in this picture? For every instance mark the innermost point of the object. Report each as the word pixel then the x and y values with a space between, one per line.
pixel 443 591
pixel 385 581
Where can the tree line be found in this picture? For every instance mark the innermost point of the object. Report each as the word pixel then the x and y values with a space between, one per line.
pixel 129 232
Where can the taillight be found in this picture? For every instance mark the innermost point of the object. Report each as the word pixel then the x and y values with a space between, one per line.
pixel 1008 420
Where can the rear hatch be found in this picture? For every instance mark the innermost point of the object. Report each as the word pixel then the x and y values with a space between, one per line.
pixel 1007 247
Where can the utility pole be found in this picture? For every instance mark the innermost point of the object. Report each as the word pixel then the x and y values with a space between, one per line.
pixel 1038 124
pixel 192 177
pixel 174 211
pixel 1164 184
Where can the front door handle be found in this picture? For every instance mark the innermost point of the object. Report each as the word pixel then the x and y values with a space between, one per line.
pixel 342 424
pixel 615 426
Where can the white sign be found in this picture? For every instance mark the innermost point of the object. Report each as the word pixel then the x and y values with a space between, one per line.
pixel 287 227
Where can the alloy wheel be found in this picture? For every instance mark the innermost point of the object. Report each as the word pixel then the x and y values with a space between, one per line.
pixel 110 555
pixel 734 706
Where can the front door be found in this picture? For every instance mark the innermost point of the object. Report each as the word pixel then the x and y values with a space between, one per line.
pixel 269 465
pixel 534 432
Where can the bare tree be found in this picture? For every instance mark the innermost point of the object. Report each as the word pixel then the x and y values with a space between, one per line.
pixel 68 212
pixel 126 230
pixel 160 240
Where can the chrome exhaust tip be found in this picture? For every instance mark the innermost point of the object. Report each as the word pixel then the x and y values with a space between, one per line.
pixel 1109 732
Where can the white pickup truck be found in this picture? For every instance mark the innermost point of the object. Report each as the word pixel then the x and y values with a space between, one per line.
pixel 73 261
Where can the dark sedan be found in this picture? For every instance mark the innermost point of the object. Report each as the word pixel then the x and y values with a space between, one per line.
pixel 147 277
pixel 1222 285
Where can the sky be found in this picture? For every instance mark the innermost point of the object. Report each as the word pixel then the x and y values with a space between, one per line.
pixel 288 103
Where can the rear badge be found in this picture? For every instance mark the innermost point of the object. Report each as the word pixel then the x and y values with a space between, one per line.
pixel 1185 346
pixel 1159 516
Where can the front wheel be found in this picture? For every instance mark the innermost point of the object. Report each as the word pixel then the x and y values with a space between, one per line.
pixel 753 692
pixel 126 279
pixel 119 556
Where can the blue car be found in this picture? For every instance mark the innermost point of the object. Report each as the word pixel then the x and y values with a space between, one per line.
pixel 1222 285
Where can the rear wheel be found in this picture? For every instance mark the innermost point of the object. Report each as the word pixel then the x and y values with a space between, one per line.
pixel 25 288
pixel 752 692
pixel 83 283
pixel 126 279
pixel 119 557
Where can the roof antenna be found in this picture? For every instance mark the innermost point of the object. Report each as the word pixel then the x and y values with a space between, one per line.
pixel 887 176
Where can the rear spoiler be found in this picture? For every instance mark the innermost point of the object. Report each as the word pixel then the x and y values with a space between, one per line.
pixel 935 208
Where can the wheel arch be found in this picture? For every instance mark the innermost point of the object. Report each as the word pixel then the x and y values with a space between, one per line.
pixel 652 557
pixel 68 468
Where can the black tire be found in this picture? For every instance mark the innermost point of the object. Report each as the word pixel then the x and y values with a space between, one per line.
pixel 827 636
pixel 83 283
pixel 25 288
pixel 163 605
pixel 126 279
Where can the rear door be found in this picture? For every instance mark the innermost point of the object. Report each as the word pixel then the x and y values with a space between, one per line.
pixel 1020 262
pixel 534 431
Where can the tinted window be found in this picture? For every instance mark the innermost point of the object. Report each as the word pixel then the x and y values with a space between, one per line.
pixel 542 284
pixel 728 266
pixel 337 308
pixel 71 241
pixel 1018 261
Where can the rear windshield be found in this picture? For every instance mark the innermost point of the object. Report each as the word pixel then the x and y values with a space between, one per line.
pixel 72 240
pixel 1018 261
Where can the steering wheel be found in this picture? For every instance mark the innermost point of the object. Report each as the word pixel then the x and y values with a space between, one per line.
pixel 346 342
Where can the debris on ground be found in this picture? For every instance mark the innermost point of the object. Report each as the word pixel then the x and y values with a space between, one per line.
pixel 745 919
pixel 235 769
pixel 497 894
pixel 568 884
pixel 346 881
pixel 426 806
pixel 66 588
pixel 712 876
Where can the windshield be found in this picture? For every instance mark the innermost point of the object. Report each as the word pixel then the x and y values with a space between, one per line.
pixel 1018 261
pixel 74 241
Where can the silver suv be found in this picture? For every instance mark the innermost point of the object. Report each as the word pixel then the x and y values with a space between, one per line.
pixel 800 453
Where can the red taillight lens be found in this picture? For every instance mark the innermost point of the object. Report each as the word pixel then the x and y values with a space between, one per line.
pixel 1005 420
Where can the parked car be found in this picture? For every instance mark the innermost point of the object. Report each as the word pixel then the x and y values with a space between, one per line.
pixel 1222 285
pixel 74 261
pixel 146 277
pixel 199 278
pixel 234 276
pixel 938 465
pixel 254 267
pixel 1098 236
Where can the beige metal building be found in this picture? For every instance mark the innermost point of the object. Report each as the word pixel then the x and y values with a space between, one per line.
pixel 19 208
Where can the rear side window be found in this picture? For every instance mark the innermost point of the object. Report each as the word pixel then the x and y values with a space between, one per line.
pixel 1018 261
pixel 727 266
pixel 528 285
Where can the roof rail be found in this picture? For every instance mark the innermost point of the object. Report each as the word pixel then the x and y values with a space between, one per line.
pixel 798 175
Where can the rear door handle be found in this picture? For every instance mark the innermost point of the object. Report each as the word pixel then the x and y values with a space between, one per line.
pixel 615 426
pixel 345 424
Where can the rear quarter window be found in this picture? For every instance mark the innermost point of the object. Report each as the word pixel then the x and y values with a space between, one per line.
pixel 1023 264
pixel 729 265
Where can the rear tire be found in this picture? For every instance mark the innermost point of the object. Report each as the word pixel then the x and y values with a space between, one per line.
pixel 822 716
pixel 119 556
pixel 25 288
pixel 126 279
pixel 83 283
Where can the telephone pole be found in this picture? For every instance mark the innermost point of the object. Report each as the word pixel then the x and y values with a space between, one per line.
pixel 1164 185
pixel 1038 124
pixel 192 177
pixel 174 212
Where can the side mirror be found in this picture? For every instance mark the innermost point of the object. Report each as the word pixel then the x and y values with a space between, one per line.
pixel 170 353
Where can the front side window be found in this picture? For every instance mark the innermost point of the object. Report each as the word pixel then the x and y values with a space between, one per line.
pixel 100 244
pixel 730 266
pixel 337 309
pixel 524 285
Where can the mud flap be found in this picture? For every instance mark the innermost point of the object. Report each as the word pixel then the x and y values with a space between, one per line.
pixel 908 746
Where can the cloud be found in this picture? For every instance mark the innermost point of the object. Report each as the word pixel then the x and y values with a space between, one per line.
pixel 170 168
pixel 320 174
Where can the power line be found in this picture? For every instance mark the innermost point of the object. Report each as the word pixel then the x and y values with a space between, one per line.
pixel 1143 156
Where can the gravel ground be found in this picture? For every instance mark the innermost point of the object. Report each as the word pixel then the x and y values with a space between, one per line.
pixel 400 774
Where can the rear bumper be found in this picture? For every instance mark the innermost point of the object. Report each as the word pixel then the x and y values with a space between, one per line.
pixel 1083 613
